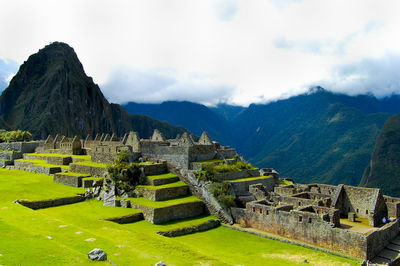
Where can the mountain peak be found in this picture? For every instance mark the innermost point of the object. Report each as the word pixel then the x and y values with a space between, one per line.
pixel 52 94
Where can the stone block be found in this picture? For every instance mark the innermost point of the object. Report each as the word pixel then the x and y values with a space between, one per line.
pixel 58 160
pixel 351 216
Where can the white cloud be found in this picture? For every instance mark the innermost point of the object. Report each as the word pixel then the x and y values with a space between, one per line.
pixel 377 76
pixel 261 49
pixel 157 85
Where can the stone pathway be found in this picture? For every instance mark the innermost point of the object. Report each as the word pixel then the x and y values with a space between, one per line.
pixel 390 253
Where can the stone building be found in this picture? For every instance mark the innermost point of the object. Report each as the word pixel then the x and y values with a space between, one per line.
pixel 322 215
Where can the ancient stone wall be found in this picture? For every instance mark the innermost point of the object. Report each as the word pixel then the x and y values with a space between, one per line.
pixel 190 230
pixel 225 153
pixel 393 205
pixel 58 160
pixel 24 147
pixel 304 226
pixel 163 193
pixel 381 237
pixel 51 203
pixel 242 187
pixel 201 153
pixel 176 155
pixel 237 175
pixel 88 169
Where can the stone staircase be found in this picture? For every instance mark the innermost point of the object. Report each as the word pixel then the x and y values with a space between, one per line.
pixel 390 255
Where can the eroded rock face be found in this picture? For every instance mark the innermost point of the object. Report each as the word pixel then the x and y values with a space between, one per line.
pixel 97 254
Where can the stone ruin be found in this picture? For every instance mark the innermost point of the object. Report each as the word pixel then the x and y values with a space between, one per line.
pixel 104 148
pixel 312 213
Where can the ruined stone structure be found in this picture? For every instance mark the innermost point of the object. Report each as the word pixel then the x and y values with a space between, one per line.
pixel 312 214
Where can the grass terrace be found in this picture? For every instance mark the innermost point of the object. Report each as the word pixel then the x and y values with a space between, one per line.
pixel 66 167
pixel 175 184
pixel 161 204
pixel 285 182
pixel 72 174
pixel 163 176
pixel 90 163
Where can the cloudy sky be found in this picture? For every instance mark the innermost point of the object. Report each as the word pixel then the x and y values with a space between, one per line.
pixel 234 51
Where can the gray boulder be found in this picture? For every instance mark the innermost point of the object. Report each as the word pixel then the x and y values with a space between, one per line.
pixel 160 263
pixel 97 254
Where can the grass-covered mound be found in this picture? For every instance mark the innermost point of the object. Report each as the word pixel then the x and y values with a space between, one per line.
pixel 64 235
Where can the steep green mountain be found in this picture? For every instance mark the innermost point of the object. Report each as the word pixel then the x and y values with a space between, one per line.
pixel 383 170
pixel 195 117
pixel 51 94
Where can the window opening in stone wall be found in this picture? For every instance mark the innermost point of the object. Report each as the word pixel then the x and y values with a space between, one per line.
pixel 254 209
pixel 357 210
pixel 309 220
pixel 349 209
pixel 366 211
pixel 267 212
pixel 260 210
pixel 300 218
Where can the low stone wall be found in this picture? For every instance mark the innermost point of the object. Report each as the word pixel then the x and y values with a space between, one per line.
pixel 59 160
pixel 34 205
pixel 24 147
pixel 163 193
pixel 242 187
pixel 154 169
pixel 190 230
pixel 237 175
pixel 162 215
pixel 45 170
pixel 11 155
pixel 161 181
pixel 380 238
pixel 88 169
pixel 126 219
pixel 33 157
pixel 226 153
pixel 22 164
pixel 69 180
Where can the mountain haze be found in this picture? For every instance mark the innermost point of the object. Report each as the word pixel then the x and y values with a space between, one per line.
pixel 51 94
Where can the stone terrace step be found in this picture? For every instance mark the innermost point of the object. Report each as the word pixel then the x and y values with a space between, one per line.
pixel 164 192
pixel 70 179
pixel 163 211
pixel 131 218
pixel 158 180
pixel 91 168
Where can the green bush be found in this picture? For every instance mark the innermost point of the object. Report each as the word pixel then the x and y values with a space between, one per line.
pixel 125 176
pixel 123 156
pixel 222 194
pixel 15 135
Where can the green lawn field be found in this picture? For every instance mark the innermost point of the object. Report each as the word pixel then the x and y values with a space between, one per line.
pixel 64 235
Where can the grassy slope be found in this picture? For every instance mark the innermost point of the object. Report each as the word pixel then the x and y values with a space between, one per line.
pixel 76 229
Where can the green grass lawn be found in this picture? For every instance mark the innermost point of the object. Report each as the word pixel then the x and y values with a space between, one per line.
pixel 76 229
pixel 73 174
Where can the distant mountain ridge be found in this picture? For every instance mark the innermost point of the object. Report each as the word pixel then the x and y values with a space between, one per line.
pixel 318 136
pixel 51 94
